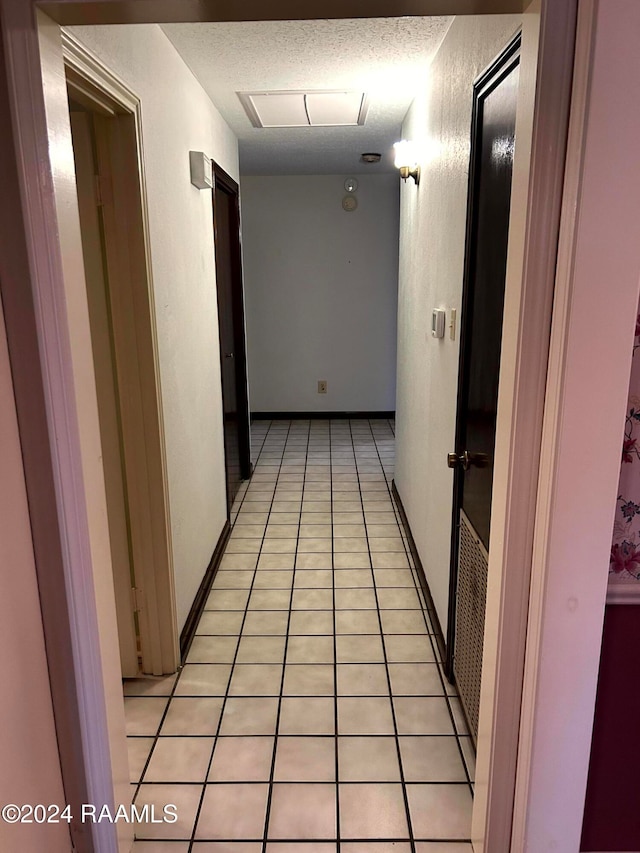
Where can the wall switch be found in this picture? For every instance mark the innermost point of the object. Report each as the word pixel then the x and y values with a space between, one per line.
pixel 322 386
pixel 437 322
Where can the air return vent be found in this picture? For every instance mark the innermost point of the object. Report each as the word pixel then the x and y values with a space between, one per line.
pixel 470 610
pixel 305 109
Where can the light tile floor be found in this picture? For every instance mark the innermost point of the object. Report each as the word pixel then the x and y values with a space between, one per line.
pixel 311 714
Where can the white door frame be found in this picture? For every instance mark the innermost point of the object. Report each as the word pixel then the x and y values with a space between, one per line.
pixel 546 68
pixel 551 607
pixel 83 133
pixel 594 316
pixel 134 319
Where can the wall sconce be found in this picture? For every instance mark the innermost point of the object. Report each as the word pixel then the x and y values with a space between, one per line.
pixel 407 160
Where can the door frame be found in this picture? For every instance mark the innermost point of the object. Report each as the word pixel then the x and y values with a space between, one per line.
pixel 239 333
pixel 83 132
pixel 542 117
pixel 596 302
pixel 132 304
pixel 534 233
pixel 502 65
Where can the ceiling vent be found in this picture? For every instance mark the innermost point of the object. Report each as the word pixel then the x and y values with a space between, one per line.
pixel 305 109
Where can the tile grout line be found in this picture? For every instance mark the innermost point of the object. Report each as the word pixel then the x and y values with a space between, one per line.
pixel 267 816
pixel 326 736
pixel 246 487
pixel 434 647
pixel 429 634
pixel 157 734
pixel 235 657
pixel 364 461
pixel 335 649
pixel 386 662
pixel 309 781
pixel 298 696
pixel 172 692
pixel 448 697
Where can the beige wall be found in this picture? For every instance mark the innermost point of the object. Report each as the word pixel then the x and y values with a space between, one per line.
pixel 177 117
pixel 321 291
pixel 432 237
pixel 30 762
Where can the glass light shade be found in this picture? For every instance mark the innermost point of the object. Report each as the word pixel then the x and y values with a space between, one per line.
pixel 405 154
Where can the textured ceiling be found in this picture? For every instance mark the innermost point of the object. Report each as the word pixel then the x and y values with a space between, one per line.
pixel 386 57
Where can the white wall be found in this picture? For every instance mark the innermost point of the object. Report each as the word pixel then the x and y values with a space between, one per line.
pixel 177 117
pixel 30 761
pixel 321 292
pixel 432 237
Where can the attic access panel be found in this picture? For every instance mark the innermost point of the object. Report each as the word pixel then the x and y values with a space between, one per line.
pixel 305 109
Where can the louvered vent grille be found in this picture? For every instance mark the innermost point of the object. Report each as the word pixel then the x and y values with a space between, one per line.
pixel 470 612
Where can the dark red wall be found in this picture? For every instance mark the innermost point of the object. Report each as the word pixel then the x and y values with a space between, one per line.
pixel 612 810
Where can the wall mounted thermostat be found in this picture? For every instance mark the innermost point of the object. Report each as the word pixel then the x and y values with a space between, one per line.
pixel 437 322
pixel 201 172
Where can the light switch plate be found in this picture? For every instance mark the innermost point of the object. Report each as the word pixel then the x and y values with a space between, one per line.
pixel 438 317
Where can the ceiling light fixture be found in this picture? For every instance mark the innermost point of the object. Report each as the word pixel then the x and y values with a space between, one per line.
pixel 371 157
pixel 406 160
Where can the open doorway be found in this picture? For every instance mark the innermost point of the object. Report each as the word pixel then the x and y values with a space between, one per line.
pixel 106 148
pixel 296 522
pixel 231 327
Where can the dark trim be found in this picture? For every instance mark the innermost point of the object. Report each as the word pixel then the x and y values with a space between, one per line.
pixel 197 608
pixel 295 416
pixel 68 13
pixel 421 575
pixel 610 820
pixel 487 81
pixel 225 183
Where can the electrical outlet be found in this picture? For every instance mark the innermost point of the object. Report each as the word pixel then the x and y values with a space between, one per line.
pixel 322 386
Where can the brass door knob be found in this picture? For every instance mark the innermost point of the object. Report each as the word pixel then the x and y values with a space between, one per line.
pixel 453 460
pixel 465 460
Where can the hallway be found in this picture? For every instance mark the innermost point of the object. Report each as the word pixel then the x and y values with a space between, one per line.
pixel 311 703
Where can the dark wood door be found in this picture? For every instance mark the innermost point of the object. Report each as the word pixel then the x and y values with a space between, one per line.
pixel 226 220
pixel 493 140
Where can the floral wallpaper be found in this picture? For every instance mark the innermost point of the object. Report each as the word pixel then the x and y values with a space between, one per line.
pixel 625 548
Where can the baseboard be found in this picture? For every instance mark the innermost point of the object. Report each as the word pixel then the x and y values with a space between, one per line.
pixel 421 575
pixel 296 416
pixel 189 630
